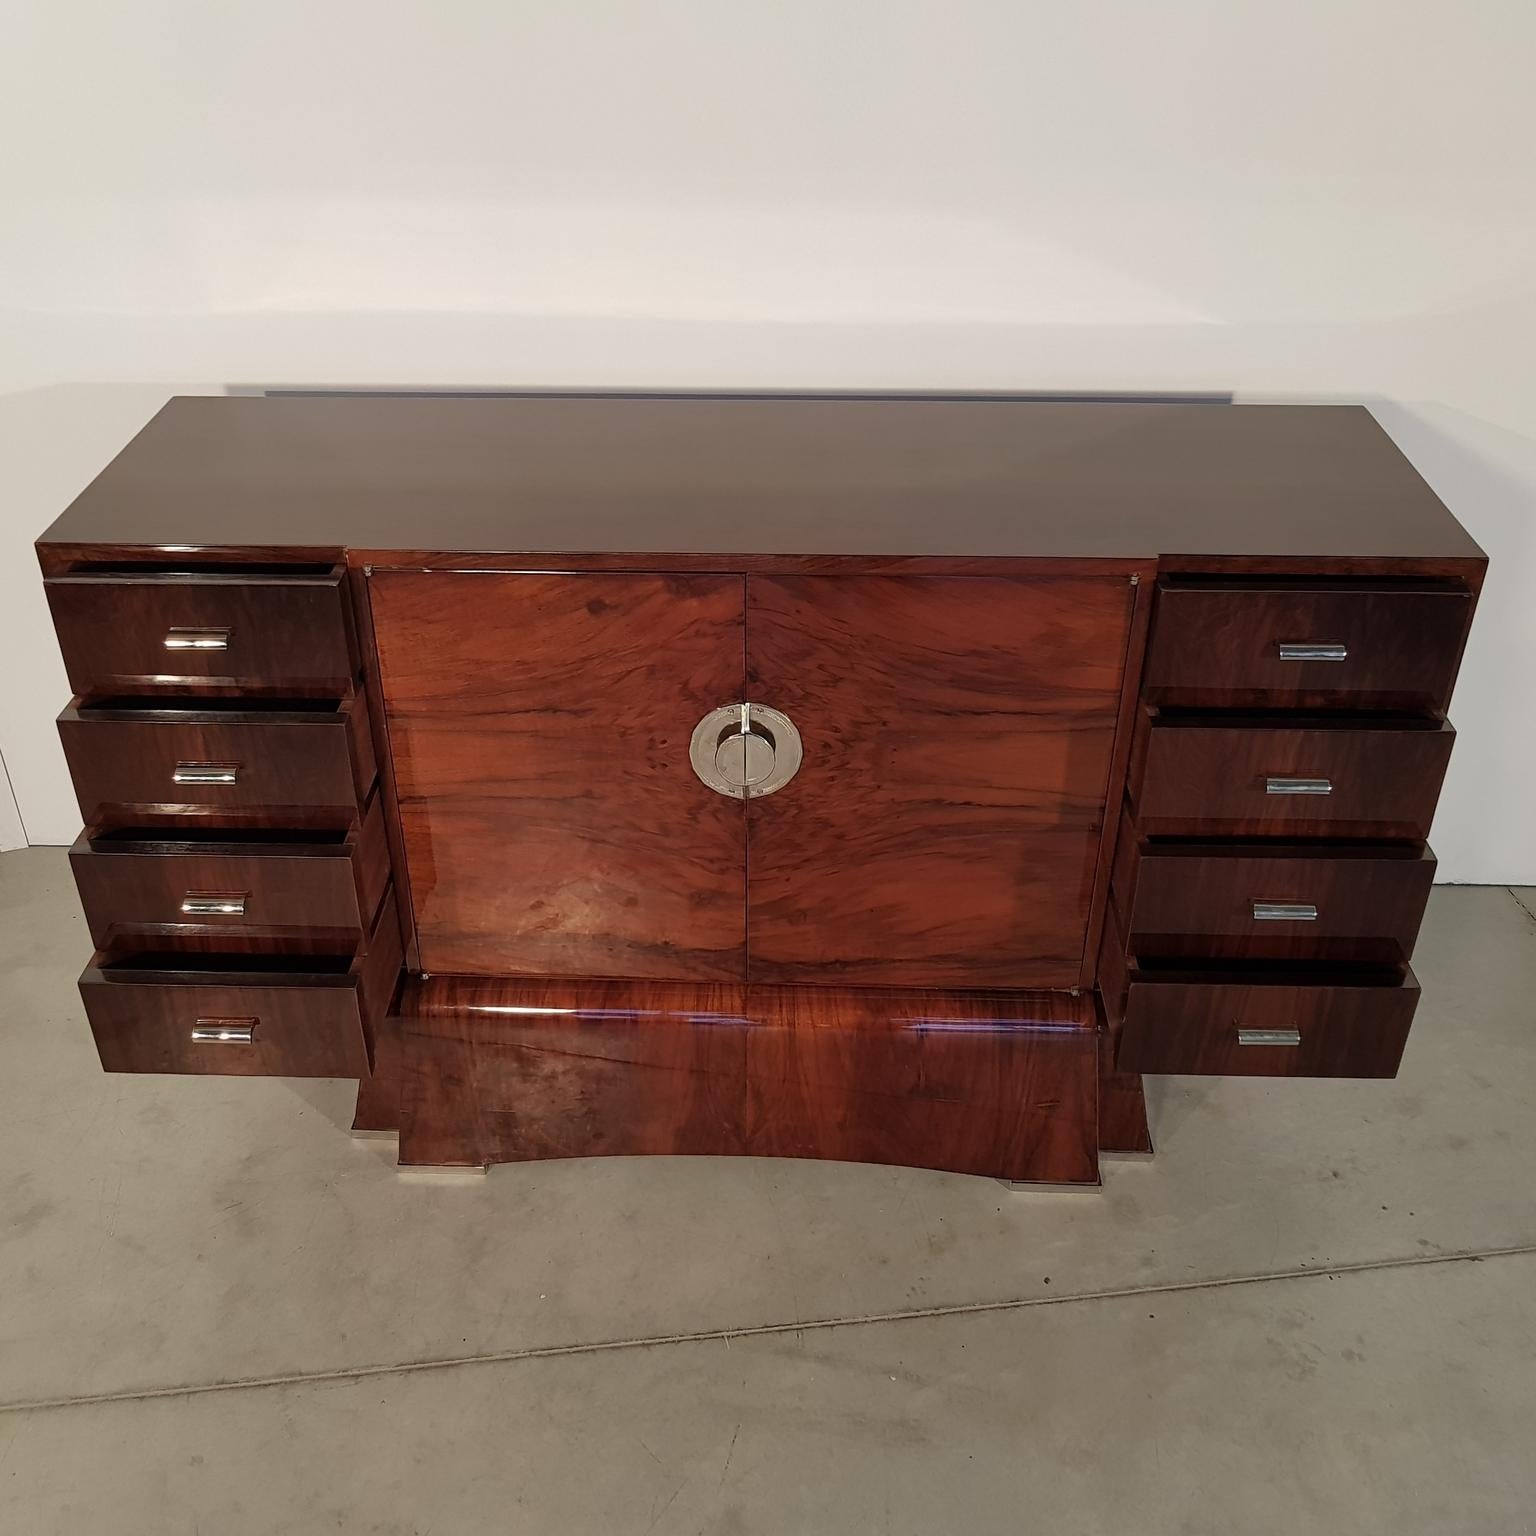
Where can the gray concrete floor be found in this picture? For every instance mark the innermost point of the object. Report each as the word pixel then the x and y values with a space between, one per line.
pixel 1314 1310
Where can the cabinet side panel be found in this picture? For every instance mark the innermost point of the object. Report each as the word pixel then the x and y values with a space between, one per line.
pixel 539 728
pixel 944 828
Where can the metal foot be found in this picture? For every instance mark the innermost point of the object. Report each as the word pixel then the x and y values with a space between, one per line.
pixel 419 1174
pixel 1045 1187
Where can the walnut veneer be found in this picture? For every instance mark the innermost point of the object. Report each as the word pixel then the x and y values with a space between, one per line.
pixel 1104 740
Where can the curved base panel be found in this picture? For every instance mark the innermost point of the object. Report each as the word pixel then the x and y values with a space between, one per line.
pixel 485 1071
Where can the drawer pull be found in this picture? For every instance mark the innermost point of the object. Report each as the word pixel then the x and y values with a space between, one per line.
pixel 1268 1036
pixel 1284 912
pixel 213 904
pixel 1281 786
pixel 224 1032
pixel 181 639
pixel 1296 650
pixel 206 773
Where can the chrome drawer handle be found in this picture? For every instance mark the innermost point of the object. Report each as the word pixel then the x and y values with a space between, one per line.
pixel 212 904
pixel 182 639
pixel 1275 786
pixel 1284 912
pixel 1327 650
pixel 224 1032
pixel 206 773
pixel 1268 1036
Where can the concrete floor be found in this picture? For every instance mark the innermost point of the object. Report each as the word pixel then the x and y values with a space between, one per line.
pixel 1314 1310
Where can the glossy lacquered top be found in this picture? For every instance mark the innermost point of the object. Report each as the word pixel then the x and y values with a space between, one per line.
pixel 766 476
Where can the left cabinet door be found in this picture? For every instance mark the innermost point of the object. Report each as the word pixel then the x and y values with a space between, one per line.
pixel 539 728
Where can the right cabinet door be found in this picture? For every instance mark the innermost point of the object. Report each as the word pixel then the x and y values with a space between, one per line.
pixel 944 825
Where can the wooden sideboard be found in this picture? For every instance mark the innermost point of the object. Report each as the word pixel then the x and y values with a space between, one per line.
pixel 883 779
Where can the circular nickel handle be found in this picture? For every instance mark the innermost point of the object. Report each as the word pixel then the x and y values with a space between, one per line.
pixel 745 750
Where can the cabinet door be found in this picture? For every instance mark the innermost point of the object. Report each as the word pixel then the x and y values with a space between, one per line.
pixel 944 825
pixel 539 728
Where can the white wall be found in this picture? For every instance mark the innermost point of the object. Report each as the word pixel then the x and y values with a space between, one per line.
pixel 1326 199
pixel 12 833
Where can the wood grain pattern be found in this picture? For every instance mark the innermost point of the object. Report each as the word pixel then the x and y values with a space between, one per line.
pixel 1204 775
pixel 286 634
pixel 1119 766
pixel 1122 1104
pixel 1217 644
pixel 377 1112
pixel 973 1083
pixel 1183 1016
pixel 944 827
pixel 1349 1026
pixel 309 1020
pixel 539 729
pixel 357 582
pixel 1196 899
pixel 319 896
pixel 947 828
pixel 298 768
pixel 712 477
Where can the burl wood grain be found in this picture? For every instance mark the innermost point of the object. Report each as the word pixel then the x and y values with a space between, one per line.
pixel 1206 776
pixel 1215 644
pixel 944 827
pixel 286 634
pixel 970 1083
pixel 539 729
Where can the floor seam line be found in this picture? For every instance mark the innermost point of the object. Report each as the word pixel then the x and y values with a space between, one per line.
pixel 1519 902
pixel 759 1330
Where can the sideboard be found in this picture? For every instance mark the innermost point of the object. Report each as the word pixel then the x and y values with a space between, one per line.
pixel 881 779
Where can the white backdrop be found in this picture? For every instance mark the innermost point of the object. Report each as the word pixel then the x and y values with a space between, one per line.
pixel 1330 199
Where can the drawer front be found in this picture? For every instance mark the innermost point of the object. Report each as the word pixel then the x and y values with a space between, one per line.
pixel 1276 905
pixel 1262 780
pixel 318 898
pixel 286 768
pixel 1357 647
pixel 1266 1028
pixel 148 633
pixel 200 1012
pixel 297 1029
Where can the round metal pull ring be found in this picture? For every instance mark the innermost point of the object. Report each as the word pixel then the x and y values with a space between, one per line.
pixel 745 750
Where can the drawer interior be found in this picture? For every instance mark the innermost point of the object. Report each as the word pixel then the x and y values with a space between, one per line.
pixel 1165 717
pixel 212 710
pixel 1201 846
pixel 1264 973
pixel 179 967
pixel 227 842
pixel 1216 582
pixel 206 570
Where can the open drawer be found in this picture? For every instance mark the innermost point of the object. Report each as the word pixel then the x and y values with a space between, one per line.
pixel 1256 1019
pixel 1314 899
pixel 230 762
pixel 136 628
pixel 268 888
pixel 260 1015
